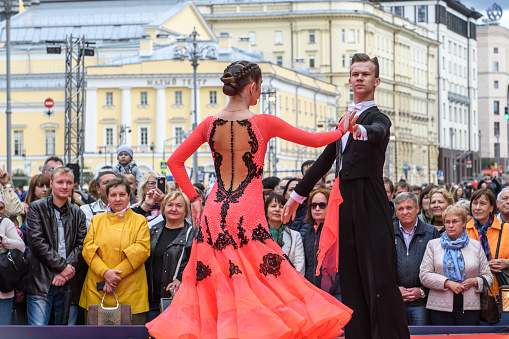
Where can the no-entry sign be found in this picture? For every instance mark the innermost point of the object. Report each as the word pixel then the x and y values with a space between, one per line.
pixel 49 103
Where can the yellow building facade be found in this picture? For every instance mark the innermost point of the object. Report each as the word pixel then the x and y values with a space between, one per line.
pixel 322 36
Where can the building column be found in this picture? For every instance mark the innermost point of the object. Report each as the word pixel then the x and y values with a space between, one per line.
pixel 160 119
pixel 126 113
pixel 90 134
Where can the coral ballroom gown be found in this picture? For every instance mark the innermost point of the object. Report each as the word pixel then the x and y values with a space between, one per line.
pixel 238 282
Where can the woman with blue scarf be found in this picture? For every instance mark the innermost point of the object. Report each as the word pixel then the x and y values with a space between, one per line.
pixel 451 268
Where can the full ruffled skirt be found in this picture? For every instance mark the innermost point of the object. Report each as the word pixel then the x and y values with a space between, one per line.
pixel 248 292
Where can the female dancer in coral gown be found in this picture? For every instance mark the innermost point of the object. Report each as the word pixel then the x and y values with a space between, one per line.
pixel 238 282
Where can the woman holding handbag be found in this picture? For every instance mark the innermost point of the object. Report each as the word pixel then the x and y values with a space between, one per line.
pixel 453 268
pixel 170 247
pixel 115 248
pixel 9 239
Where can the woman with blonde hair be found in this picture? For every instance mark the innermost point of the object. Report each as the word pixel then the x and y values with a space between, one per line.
pixel 440 198
pixel 170 246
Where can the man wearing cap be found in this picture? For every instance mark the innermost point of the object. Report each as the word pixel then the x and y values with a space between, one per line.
pixel 126 163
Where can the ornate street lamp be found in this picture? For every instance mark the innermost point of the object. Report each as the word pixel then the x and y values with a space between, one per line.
pixel 188 48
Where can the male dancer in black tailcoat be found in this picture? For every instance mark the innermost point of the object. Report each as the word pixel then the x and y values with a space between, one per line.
pixel 367 267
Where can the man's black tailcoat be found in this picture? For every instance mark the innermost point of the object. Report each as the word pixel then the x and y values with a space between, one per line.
pixel 367 266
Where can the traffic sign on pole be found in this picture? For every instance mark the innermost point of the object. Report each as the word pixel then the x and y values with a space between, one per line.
pixel 48 103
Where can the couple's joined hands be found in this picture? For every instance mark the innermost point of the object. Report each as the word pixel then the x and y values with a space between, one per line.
pixel 349 124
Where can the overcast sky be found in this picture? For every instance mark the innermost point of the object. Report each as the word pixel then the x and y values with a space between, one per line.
pixel 482 5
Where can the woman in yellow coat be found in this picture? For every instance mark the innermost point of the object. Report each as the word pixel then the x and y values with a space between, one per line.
pixel 115 248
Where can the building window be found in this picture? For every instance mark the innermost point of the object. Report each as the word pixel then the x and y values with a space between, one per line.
pixel 495 84
pixel 311 61
pixel 279 60
pixel 178 134
pixel 398 10
pixel 343 35
pixel 252 38
pixel 496 148
pixel 143 98
pixel 495 66
pixel 178 98
pixel 351 35
pixel 108 137
pixel 351 94
pixel 311 34
pixel 109 98
pixel 343 60
pixel 496 107
pixel 18 142
pixel 50 142
pixel 212 98
pixel 143 136
pixel 495 50
pixel 421 13
pixel 496 128
pixel 279 38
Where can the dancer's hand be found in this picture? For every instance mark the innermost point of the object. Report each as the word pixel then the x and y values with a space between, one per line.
pixel 289 211
pixel 357 132
pixel 352 126
pixel 196 212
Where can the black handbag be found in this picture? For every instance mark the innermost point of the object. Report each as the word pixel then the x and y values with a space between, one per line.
pixel 13 267
pixel 489 308
pixel 502 277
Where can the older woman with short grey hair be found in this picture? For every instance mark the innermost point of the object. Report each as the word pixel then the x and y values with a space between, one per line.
pixel 452 268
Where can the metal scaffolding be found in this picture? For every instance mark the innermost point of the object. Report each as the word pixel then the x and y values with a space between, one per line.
pixel 75 102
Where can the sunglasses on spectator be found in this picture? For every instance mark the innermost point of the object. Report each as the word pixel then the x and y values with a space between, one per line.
pixel 322 205
pixel 151 183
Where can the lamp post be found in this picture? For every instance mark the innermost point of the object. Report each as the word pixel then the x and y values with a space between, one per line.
pixel 497 135
pixel 8 7
pixel 480 156
pixel 453 168
pixel 188 48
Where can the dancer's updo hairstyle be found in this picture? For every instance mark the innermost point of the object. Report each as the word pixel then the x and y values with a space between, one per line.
pixel 239 74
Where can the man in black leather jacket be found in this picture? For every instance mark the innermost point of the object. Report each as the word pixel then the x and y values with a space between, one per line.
pixel 56 230
pixel 411 238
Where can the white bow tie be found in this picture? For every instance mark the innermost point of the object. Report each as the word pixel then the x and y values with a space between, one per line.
pixel 354 107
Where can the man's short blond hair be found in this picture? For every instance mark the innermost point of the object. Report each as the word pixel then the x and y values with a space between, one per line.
pixel 61 170
pixel 363 57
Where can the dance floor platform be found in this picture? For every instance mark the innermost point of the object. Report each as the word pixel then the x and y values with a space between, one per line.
pixel 140 332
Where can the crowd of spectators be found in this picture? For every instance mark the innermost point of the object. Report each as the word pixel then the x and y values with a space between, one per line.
pixel 446 239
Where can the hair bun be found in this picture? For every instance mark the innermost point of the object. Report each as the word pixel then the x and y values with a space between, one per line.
pixel 229 79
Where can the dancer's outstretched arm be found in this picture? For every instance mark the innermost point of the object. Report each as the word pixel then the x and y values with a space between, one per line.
pixel 176 165
pixel 276 127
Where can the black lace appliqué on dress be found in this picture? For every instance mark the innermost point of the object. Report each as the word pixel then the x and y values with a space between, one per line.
pixel 234 269
pixel 207 230
pixel 242 232
pixel 260 234
pixel 202 271
pixel 271 264
pixel 224 239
